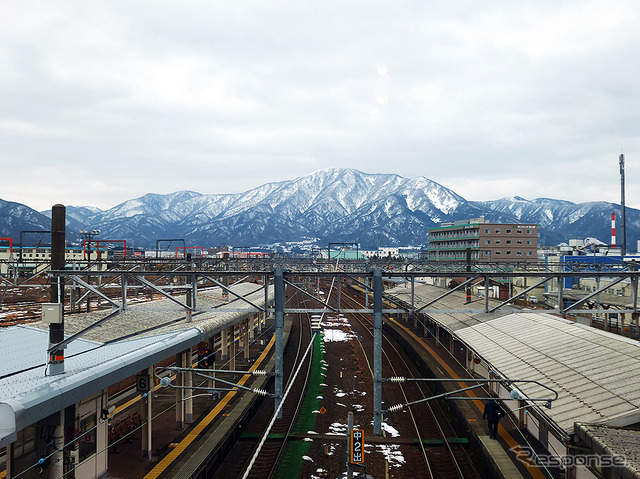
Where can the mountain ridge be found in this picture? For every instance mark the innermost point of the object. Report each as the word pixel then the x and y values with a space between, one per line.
pixel 331 204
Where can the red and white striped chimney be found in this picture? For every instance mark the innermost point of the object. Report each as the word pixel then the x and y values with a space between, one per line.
pixel 613 230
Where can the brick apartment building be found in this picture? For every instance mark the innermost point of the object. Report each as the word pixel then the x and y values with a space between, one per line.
pixel 487 241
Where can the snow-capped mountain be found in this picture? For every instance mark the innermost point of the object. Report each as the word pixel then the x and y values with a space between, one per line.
pixel 330 205
pixel 16 217
pixel 334 204
pixel 560 220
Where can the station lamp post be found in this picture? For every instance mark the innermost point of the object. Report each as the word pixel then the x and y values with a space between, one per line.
pixel 88 236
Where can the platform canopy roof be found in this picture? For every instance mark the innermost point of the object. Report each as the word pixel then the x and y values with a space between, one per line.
pixel 593 371
pixel 140 337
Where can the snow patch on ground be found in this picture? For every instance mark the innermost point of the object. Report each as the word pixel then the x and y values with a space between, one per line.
pixel 322 473
pixel 337 428
pixel 337 335
pixel 390 430
pixel 392 454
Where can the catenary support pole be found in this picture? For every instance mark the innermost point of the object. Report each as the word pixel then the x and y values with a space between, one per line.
pixel 124 286
pixel 623 218
pixel 377 351
pixel 486 294
pixel 278 283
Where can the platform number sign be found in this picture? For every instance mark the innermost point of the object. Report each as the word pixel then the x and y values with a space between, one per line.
pixel 357 446
pixel 143 383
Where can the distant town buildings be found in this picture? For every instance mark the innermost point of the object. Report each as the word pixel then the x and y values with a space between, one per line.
pixel 36 259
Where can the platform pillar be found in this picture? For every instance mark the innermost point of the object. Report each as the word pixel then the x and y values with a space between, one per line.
pixel 224 344
pixel 252 327
pixel 179 381
pixel 522 415
pixel 9 460
pixel 266 303
pixel 246 332
pixel 212 347
pixel 233 348
pixel 147 414
pixel 56 468
pixel 188 383
pixel 377 351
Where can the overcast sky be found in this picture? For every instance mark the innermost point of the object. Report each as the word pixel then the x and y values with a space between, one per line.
pixel 104 101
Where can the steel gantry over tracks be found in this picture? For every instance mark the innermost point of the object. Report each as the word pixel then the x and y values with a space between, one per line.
pixel 187 281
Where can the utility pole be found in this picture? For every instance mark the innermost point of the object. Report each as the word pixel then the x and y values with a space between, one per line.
pixel 56 329
pixel 56 295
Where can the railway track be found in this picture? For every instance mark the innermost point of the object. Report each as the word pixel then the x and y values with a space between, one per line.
pixel 426 421
pixel 267 460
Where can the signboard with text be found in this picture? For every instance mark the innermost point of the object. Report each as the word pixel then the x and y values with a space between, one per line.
pixel 357 446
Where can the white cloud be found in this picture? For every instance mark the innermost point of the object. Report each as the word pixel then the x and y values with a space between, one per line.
pixel 105 101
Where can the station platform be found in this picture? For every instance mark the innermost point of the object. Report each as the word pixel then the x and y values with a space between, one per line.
pixel 213 418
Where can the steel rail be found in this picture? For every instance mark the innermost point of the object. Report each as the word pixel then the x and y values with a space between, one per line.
pixel 365 322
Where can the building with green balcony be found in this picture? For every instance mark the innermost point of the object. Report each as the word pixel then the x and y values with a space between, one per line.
pixel 492 242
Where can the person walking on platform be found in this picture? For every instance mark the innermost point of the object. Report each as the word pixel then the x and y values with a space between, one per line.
pixel 492 413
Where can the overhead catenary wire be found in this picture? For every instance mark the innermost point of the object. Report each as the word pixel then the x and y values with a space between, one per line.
pixel 277 411
pixel 484 389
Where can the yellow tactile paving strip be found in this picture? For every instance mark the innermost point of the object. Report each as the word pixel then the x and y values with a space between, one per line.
pixel 195 432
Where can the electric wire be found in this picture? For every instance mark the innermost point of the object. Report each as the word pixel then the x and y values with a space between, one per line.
pixel 275 414
pixel 464 367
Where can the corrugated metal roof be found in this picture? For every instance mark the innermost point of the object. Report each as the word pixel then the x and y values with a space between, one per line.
pixel 154 317
pixel 591 370
pixel 24 347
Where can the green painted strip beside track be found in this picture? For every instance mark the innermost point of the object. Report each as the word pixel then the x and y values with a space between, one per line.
pixel 440 442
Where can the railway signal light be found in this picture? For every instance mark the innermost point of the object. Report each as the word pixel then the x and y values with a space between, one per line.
pixel 205 358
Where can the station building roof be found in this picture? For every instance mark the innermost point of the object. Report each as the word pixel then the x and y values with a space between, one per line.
pixel 136 339
pixel 593 371
pixel 621 443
